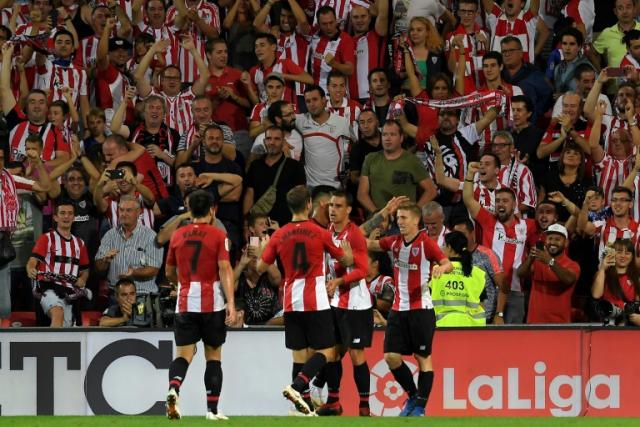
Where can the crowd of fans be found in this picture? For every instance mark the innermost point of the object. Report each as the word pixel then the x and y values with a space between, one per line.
pixel 514 122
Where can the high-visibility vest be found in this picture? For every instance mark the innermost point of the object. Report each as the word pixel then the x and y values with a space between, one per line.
pixel 456 297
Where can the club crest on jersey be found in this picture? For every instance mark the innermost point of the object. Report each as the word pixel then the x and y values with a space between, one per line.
pixel 415 251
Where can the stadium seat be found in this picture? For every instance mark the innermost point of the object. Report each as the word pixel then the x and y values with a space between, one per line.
pixel 91 318
pixel 20 319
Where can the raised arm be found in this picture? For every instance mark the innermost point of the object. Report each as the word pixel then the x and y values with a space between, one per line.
pixel 487 119
pixel 117 121
pixel 444 181
pixel 200 85
pixel 597 152
pixel 142 84
pixel 102 54
pixel 8 100
pixel 591 103
pixel 473 206
pixel 382 20
pixel 585 226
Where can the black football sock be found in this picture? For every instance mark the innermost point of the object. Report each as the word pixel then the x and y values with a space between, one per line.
pixel 213 384
pixel 363 383
pixel 297 367
pixel 333 372
pixel 402 374
pixel 313 365
pixel 177 372
pixel 425 382
pixel 320 379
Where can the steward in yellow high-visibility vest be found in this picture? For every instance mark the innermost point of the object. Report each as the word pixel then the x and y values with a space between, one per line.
pixel 456 295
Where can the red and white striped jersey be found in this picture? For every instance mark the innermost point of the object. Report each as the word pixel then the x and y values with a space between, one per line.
pixel 610 173
pixel 349 109
pixel 583 12
pixel 509 242
pixel 379 282
pixel 342 9
pixel 199 285
pixel 295 47
pixel 52 77
pixel 610 124
pixel 166 139
pixel 412 265
pixel 341 47
pixel 146 214
pixel 110 85
pixel 518 177
pixel 163 33
pixel 347 296
pixel 609 232
pixel 474 51
pixel 210 14
pixel 502 122
pixel 370 53
pixel 51 136
pixel 440 237
pixel 86 54
pixel 179 116
pixel 523 27
pixel 485 195
pixel 301 247
pixel 259 112
pixel 9 186
pixel 283 66
pixel 125 5
pixel 61 256
pixel 553 132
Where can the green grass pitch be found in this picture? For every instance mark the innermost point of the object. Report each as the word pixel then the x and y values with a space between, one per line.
pixel 143 421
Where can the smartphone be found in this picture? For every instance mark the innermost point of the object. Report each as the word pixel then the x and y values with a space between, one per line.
pixel 540 246
pixel 615 72
pixel 54 17
pixel 254 241
pixel 116 173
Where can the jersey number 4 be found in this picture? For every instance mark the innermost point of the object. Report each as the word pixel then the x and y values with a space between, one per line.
pixel 300 262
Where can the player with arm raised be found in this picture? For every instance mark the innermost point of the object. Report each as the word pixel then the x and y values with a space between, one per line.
pixel 308 322
pixel 411 323
pixel 198 261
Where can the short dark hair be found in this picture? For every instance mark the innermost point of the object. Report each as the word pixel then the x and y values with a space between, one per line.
pixel 184 166
pixel 324 10
pixel 576 34
pixel 495 158
pixel 63 106
pixel 200 203
pixel 474 2
pixel 629 36
pixel 493 55
pixel 214 127
pixel 345 195
pixel 272 128
pixel 312 88
pixel 271 39
pixel 252 218
pixel 463 220
pixel 394 122
pixel 506 190
pixel 34 137
pixel 621 189
pixel 378 70
pixel 171 66
pixel 144 38
pixel 298 198
pixel 37 91
pixel 337 74
pixel 130 165
pixel 212 42
pixel 63 32
pixel 123 282
pixel 321 191
pixel 63 201
pixel 511 39
pixel 581 69
pixel 275 110
pixel 528 105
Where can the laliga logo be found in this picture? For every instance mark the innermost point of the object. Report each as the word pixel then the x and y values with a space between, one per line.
pixel 387 396
pixel 562 405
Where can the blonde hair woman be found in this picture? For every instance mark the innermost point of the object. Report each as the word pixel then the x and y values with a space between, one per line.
pixel 427 46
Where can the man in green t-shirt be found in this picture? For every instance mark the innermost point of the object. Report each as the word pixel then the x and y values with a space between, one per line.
pixel 393 172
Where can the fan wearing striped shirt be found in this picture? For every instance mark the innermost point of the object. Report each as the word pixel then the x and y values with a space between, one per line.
pixel 60 263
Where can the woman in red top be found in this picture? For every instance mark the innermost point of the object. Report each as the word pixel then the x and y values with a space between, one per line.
pixel 617 280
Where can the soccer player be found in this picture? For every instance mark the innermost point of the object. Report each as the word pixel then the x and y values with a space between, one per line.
pixel 412 321
pixel 352 308
pixel 201 303
pixel 308 323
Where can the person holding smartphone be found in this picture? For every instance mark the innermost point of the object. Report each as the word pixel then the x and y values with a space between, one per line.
pixel 553 278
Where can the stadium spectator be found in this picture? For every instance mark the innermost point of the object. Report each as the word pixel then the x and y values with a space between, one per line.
pixel 609 47
pixel 282 115
pixel 553 277
pixel 128 251
pixel 120 314
pixel 433 220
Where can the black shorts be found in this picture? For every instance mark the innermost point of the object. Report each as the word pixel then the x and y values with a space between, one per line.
pixel 193 327
pixel 410 332
pixel 308 329
pixel 353 328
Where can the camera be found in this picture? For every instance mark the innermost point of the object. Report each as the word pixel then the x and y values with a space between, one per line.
pixel 115 173
pixel 632 308
pixel 607 311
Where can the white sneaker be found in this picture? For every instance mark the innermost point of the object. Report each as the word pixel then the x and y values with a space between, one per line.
pixel 294 396
pixel 293 412
pixel 318 395
pixel 173 412
pixel 216 417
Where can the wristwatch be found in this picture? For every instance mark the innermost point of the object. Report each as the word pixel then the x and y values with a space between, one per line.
pixel 500 314
pixel 552 262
